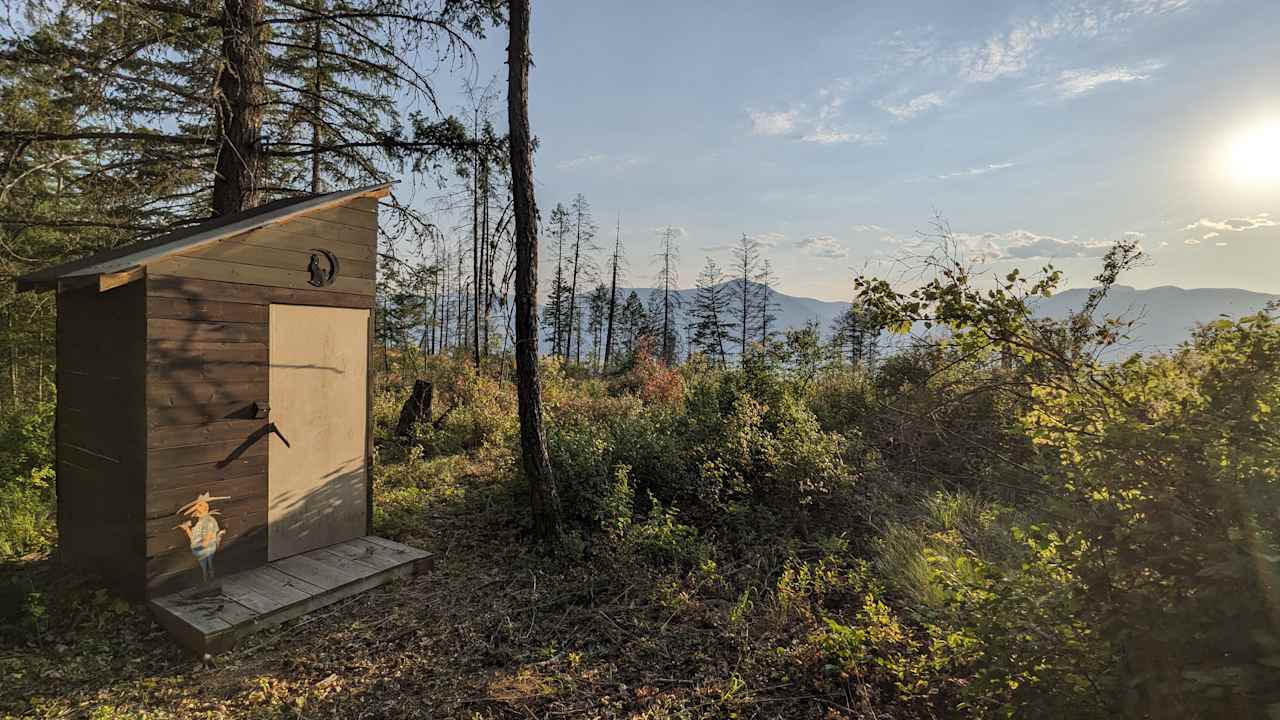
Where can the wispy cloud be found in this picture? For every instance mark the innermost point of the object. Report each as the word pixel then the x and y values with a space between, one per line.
pixel 1239 224
pixel 765 239
pixel 975 171
pixel 582 161
pixel 821 121
pixel 677 231
pixel 1028 44
pixel 772 124
pixel 1074 83
pixel 601 161
pixel 868 228
pixel 913 106
pixel 1191 241
pixel 1026 245
pixel 823 246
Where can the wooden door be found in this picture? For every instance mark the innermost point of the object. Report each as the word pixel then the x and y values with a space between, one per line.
pixel 316 463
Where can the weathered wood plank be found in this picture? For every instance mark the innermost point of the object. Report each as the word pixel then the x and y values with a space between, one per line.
pixel 354 217
pixel 221 431
pixel 199 309
pixel 341 563
pixel 209 473
pixel 240 408
pixel 163 395
pixel 162 285
pixel 205 269
pixel 189 624
pixel 274 585
pixel 195 373
pixel 200 331
pixel 366 553
pixel 307 234
pixel 266 596
pixel 236 589
pixel 274 574
pixel 317 573
pixel 215 452
pixel 180 356
pixel 270 256
pixel 166 501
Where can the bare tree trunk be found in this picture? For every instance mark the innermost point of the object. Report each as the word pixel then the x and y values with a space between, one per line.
pixel 573 297
pixel 544 500
pixel 475 250
pixel 317 57
pixel 240 100
pixel 486 259
pixel 613 295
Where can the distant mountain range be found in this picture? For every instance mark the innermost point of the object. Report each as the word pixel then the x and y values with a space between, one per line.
pixel 1163 316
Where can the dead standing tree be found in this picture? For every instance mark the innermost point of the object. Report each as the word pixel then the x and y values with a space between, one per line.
pixel 544 499
pixel 613 293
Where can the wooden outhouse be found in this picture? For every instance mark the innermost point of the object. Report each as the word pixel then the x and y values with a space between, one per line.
pixel 214 408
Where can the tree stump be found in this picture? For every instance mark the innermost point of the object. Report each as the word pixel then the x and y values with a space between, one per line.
pixel 416 409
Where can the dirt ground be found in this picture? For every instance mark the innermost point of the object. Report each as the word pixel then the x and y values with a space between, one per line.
pixel 494 631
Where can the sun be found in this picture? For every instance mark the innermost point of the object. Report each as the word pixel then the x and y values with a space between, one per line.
pixel 1252 155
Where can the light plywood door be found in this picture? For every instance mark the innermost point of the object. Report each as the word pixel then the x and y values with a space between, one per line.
pixel 316 466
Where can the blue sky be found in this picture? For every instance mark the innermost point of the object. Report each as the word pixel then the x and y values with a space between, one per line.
pixel 833 131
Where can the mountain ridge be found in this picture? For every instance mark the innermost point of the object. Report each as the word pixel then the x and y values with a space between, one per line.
pixel 1164 316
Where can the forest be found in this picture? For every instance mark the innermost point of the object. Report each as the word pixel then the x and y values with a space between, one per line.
pixel 942 505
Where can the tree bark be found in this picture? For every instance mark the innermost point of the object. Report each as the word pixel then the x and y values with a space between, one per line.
pixel 417 409
pixel 573 296
pixel 475 249
pixel 544 500
pixel 240 100
pixel 613 296
pixel 317 48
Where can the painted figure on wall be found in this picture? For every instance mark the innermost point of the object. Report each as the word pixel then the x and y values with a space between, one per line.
pixel 202 530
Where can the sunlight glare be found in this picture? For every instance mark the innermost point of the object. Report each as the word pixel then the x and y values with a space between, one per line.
pixel 1253 154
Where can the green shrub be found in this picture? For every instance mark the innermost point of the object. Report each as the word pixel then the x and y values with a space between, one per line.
pixel 663 539
pixel 902 663
pixel 26 479
pixel 595 491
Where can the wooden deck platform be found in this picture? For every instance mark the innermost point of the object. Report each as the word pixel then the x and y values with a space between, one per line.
pixel 212 618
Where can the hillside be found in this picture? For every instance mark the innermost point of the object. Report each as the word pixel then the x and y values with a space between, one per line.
pixel 1163 316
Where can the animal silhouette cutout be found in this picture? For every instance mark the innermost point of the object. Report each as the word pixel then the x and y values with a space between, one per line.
pixel 321 277
pixel 202 531
pixel 317 275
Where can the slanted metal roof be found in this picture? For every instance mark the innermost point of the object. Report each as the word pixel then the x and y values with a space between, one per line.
pixel 135 256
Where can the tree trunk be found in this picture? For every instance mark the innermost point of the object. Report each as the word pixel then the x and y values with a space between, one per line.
pixel 240 100
pixel 573 297
pixel 613 296
pixel 417 409
pixel 317 49
pixel 544 500
pixel 475 253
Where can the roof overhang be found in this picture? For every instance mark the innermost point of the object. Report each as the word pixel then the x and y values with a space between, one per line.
pixel 120 266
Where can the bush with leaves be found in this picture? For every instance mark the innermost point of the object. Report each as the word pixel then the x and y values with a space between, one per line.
pixel 26 479
pixel 1172 479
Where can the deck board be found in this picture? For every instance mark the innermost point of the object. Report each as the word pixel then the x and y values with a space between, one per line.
pixel 211 619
